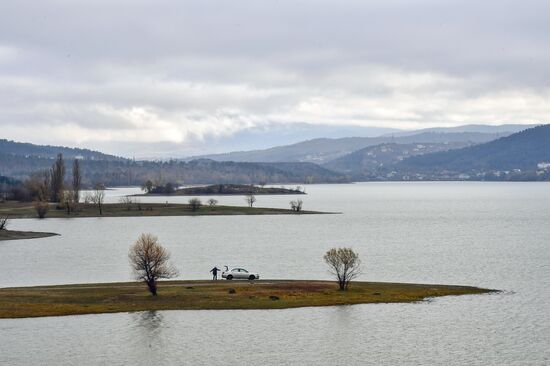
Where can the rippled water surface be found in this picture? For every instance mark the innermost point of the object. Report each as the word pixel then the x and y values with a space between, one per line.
pixel 494 235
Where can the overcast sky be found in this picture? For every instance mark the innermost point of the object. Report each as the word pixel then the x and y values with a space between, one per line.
pixel 106 74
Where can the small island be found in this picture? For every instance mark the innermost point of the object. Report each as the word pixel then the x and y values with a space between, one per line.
pixel 218 190
pixel 43 301
pixel 16 235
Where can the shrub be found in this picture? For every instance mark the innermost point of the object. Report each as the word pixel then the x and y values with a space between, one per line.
pixel 41 208
pixel 4 223
pixel 296 205
pixel 195 204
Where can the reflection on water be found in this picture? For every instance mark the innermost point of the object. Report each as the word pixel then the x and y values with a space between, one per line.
pixel 147 340
pixel 148 320
pixel 486 234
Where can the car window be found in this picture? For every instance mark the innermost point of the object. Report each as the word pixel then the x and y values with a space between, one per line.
pixel 244 270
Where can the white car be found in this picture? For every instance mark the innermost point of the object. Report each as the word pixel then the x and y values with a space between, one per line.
pixel 239 274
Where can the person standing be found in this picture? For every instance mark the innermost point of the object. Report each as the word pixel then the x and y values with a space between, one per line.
pixel 215 273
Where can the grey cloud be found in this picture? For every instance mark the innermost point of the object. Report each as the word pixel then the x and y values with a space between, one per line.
pixel 111 71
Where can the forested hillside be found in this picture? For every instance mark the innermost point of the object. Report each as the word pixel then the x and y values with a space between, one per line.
pixel 47 151
pixel 128 172
pixel 368 163
pixel 523 151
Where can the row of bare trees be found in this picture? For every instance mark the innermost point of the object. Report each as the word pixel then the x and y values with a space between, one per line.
pixel 50 186
pixel 150 262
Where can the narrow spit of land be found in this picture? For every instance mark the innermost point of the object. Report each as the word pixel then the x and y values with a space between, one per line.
pixel 15 235
pixel 202 295
pixel 19 210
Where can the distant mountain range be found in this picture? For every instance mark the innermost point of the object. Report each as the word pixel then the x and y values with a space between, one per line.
pixel 50 152
pixel 323 150
pixel 469 152
pixel 498 130
pixel 524 154
pixel 369 161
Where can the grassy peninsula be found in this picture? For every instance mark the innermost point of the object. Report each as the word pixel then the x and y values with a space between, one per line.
pixel 15 235
pixel 18 210
pixel 201 295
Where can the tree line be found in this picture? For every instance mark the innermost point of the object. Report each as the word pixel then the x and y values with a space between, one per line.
pixel 51 186
pixel 134 173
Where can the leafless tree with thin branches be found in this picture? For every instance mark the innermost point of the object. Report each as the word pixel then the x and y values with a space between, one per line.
pixel 126 201
pixel 4 223
pixel 250 199
pixel 98 196
pixel 42 208
pixel 77 180
pixel 149 261
pixel 57 179
pixel 296 205
pixel 344 264
pixel 68 201
pixel 195 204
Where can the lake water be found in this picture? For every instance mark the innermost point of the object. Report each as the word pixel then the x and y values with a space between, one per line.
pixel 494 235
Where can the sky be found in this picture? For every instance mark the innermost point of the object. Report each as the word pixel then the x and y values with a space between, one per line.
pixel 146 78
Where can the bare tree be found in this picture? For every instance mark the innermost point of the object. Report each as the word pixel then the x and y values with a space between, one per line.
pixel 39 185
pixel 98 196
pixel 57 179
pixel 4 223
pixel 149 261
pixel 87 198
pixel 68 201
pixel 127 201
pixel 195 204
pixel 344 264
pixel 77 180
pixel 42 208
pixel 296 205
pixel 212 202
pixel 250 199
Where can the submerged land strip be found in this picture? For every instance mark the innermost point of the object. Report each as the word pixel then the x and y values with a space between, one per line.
pixel 15 235
pixel 20 210
pixel 62 300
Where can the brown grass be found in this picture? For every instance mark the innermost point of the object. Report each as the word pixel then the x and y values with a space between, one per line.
pixel 18 210
pixel 185 295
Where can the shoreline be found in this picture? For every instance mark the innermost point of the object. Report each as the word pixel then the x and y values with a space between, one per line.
pixel 211 194
pixel 25 210
pixel 99 298
pixel 6 235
